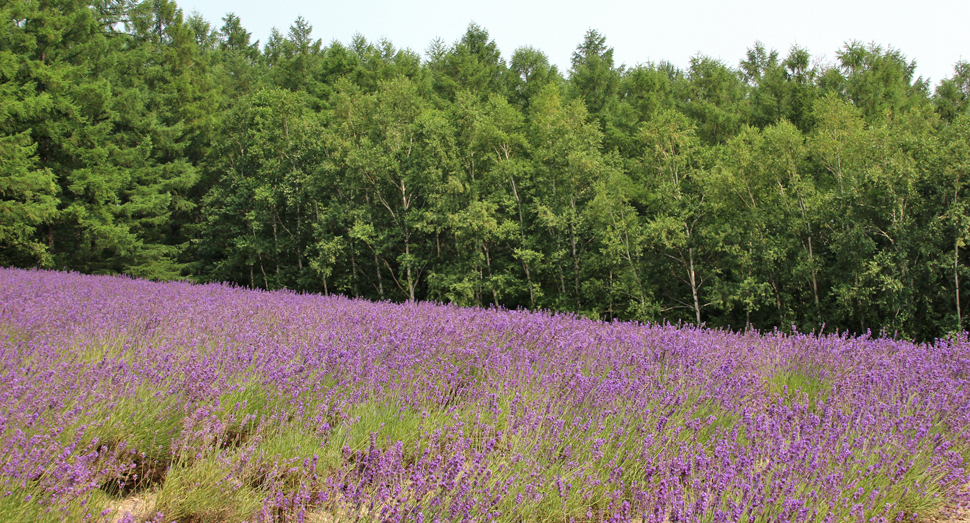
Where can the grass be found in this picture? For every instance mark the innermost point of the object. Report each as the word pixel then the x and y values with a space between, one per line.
pixel 798 386
pixel 207 490
pixel 32 504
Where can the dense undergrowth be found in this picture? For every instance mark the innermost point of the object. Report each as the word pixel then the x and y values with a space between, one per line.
pixel 225 404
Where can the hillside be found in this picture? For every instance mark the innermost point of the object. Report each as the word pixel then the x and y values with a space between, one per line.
pixel 217 403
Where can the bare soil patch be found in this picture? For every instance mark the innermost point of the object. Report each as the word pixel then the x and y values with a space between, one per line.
pixel 141 507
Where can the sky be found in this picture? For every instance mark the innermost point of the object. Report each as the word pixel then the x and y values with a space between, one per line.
pixel 932 32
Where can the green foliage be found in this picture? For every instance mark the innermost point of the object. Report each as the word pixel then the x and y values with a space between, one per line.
pixel 780 89
pixel 27 201
pixel 472 64
pixel 593 77
pixel 260 210
pixel 529 72
pixel 21 504
pixel 777 192
pixel 713 95
pixel 795 386
pixel 880 81
pixel 953 94
pixel 676 183
pixel 207 491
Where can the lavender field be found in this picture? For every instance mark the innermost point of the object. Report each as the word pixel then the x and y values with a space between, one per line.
pixel 127 400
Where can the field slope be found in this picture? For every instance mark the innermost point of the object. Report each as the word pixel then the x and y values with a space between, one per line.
pixel 130 400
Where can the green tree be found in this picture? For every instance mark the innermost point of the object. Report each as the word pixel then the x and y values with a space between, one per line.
pixel 380 61
pixel 166 105
pixel 529 72
pixel 768 214
pixel 714 97
pixel 874 225
pixel 677 228
pixel 259 227
pixel 27 192
pixel 953 216
pixel 236 67
pixel 880 81
pixel 780 89
pixel 206 37
pixel 623 239
pixel 113 128
pixel 567 165
pixel 644 91
pixel 472 64
pixel 647 90
pixel 27 197
pixel 52 104
pixel 764 73
pixel 484 209
pixel 593 77
pixel 952 96
pixel 294 61
pixel 778 245
pixel 394 152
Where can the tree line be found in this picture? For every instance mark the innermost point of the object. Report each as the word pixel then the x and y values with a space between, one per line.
pixel 782 191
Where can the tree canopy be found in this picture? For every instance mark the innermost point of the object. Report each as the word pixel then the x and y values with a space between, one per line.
pixel 777 192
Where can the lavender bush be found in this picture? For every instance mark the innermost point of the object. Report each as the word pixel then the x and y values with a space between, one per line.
pixel 226 404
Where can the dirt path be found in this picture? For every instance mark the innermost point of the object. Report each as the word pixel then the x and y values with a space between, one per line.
pixel 140 507
pixel 961 513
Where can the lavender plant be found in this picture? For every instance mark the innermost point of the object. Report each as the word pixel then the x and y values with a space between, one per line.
pixel 226 404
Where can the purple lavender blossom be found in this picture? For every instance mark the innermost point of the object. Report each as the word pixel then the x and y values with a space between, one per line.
pixel 321 407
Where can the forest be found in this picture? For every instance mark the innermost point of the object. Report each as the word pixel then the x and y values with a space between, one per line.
pixel 782 192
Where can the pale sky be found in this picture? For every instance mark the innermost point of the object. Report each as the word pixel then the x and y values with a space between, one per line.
pixel 933 32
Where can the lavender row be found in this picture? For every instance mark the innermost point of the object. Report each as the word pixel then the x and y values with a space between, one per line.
pixel 221 403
